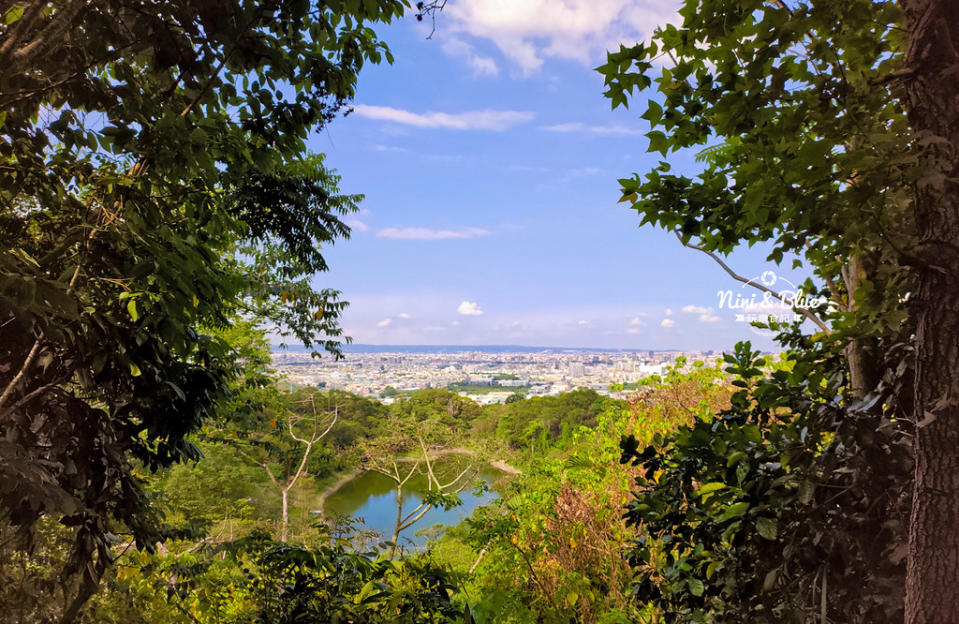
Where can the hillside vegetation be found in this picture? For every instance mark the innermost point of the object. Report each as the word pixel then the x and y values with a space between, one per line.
pixel 160 214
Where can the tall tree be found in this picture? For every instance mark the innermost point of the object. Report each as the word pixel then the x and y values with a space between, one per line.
pixel 931 99
pixel 287 442
pixel 829 131
pixel 153 184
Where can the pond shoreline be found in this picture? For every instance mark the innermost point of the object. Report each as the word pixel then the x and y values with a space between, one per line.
pixel 498 464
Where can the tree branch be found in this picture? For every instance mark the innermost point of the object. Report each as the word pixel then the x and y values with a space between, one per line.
pixel 809 315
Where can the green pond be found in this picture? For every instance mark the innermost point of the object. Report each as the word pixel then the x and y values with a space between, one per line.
pixel 370 498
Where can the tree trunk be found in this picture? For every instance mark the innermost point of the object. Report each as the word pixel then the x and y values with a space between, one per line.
pixel 860 357
pixel 932 104
pixel 285 520
pixel 399 520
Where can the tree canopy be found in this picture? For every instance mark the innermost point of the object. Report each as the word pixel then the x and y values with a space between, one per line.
pixel 827 130
pixel 154 186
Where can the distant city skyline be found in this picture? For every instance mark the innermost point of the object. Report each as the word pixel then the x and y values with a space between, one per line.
pixel 489 348
pixel 484 374
pixel 489 159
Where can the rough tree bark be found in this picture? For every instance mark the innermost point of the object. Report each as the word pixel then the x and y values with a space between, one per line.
pixel 932 102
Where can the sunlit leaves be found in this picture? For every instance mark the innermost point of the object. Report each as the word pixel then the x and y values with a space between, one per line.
pixel 148 153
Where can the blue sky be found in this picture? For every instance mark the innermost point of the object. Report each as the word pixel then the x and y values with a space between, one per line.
pixel 489 158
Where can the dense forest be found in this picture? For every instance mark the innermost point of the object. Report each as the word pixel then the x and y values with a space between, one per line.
pixel 161 217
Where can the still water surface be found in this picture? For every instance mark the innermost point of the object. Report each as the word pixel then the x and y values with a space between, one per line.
pixel 372 497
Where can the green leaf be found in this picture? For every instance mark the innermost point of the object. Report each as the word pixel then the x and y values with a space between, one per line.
pixel 132 309
pixel 657 142
pixel 711 487
pixel 696 587
pixel 736 510
pixel 654 112
pixel 711 569
pixel 734 458
pixel 768 528
pixel 13 15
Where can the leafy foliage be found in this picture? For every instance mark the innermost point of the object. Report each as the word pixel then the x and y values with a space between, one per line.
pixel 806 146
pixel 772 510
pixel 153 186
pixel 257 580
pixel 551 547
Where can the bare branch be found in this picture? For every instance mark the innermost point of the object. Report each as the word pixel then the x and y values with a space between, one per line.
pixel 407 525
pixel 453 482
pixel 421 509
pixel 262 465
pixel 27 363
pixel 809 315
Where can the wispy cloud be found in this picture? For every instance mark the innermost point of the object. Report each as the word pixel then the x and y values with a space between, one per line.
pixel 585 171
pixel 385 322
pixel 356 224
pixel 495 120
pixel 390 148
pixel 404 315
pixel 479 64
pixel 419 233
pixel 605 130
pixel 529 168
pixel 469 308
pixel 705 314
pixel 667 323
pixel 637 322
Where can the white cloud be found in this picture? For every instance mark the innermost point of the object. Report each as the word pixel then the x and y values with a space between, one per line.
pixel 667 323
pixel 418 233
pixel 469 308
pixel 459 49
pixel 705 314
pixel 668 311
pixel 585 171
pixel 455 323
pixel 385 322
pixel 529 168
pixel 356 224
pixel 632 330
pixel 607 130
pixel 528 32
pixel 469 120
pixel 390 148
pixel 637 322
pixel 583 323
pixel 404 315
